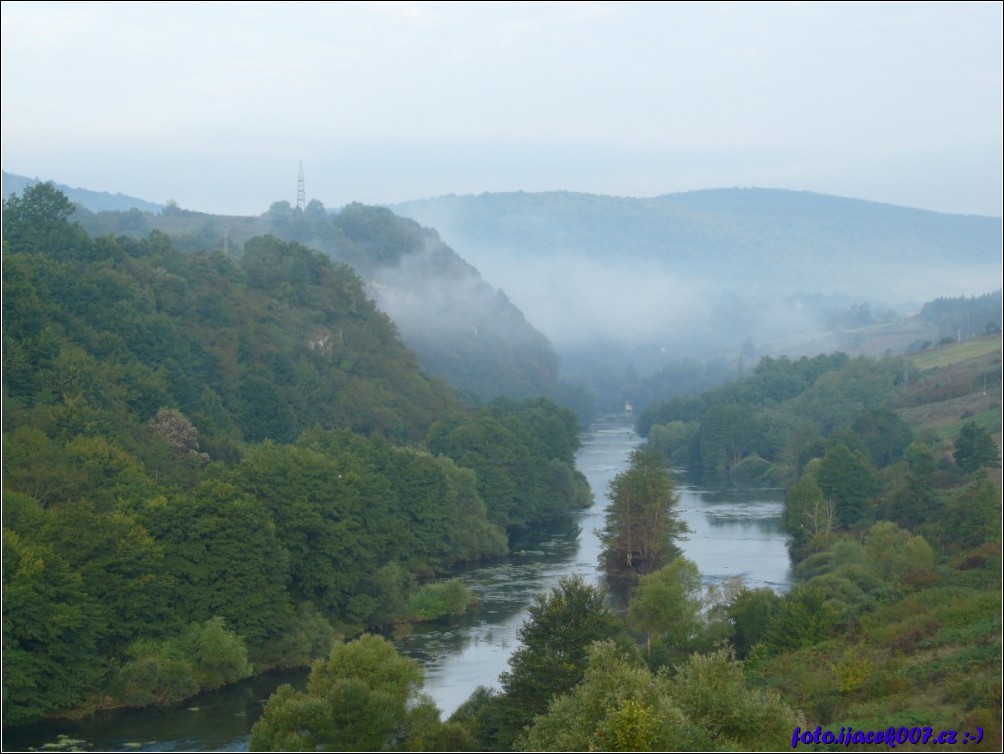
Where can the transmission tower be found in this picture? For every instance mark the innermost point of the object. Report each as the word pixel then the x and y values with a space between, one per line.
pixel 301 193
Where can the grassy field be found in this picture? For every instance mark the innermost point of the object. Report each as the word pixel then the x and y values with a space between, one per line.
pixel 955 384
pixel 988 349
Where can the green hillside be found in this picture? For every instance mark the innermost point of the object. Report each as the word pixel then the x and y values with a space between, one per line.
pixel 212 466
pixel 462 329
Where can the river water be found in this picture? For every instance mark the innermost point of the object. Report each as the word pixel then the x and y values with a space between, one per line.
pixel 733 533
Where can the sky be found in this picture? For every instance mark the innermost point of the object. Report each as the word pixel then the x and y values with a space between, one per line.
pixel 214 105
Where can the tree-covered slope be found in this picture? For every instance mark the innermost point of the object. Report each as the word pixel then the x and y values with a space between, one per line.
pixel 209 465
pixel 462 329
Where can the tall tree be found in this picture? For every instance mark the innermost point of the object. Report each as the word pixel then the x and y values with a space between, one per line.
pixel 975 449
pixel 667 605
pixel 552 657
pixel 642 525
pixel 39 220
pixel 847 478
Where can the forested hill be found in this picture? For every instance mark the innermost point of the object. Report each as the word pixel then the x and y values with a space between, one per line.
pixel 462 329
pixel 212 465
pixel 780 240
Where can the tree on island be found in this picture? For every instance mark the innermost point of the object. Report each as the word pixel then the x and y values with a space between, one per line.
pixel 642 525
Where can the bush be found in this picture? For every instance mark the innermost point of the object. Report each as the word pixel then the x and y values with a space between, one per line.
pixel 206 656
pixel 155 678
pixel 440 600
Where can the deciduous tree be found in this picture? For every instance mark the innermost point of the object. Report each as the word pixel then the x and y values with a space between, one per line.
pixel 552 657
pixel 364 697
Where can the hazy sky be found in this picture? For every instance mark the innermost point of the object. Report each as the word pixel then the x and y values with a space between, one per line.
pixel 214 104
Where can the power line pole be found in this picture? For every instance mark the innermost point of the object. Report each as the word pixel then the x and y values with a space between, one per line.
pixel 301 193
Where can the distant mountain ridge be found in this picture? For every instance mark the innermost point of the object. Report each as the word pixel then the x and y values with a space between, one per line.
pixel 783 240
pixel 93 201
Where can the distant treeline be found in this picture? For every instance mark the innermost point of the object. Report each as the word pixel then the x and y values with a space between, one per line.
pixel 769 424
pixel 969 315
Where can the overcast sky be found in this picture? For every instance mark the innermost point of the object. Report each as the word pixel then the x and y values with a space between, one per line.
pixel 213 105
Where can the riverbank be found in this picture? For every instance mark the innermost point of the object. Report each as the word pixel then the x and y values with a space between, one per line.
pixel 734 533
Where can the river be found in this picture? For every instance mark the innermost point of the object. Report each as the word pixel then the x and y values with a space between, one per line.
pixel 733 533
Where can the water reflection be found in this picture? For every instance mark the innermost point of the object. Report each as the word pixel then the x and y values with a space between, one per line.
pixel 737 533
pixel 458 660
pixel 734 532
pixel 215 721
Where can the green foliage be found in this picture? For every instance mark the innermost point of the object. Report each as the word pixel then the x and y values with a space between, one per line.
pixel 224 556
pixel 883 435
pixel 975 449
pixel 728 433
pixel 372 660
pixel 800 620
pixel 619 706
pixel 552 656
pixel 751 615
pixel 51 631
pixel 205 656
pixel 154 677
pixel 909 499
pixel 219 655
pixel 482 716
pixel 711 690
pixel 463 330
pixel 895 555
pixel 965 313
pixel 674 439
pixel 667 604
pixel 972 517
pixel 784 414
pixel 846 477
pixel 523 454
pixel 809 518
pixel 138 380
pixel 852 671
pixel 440 600
pixel 121 566
pixel 641 525
pixel 39 220
pixel 363 504
pixel 364 697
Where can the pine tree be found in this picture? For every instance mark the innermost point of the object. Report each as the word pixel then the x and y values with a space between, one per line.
pixel 975 449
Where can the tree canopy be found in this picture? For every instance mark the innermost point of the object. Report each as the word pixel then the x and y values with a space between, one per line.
pixel 642 525
pixel 196 439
